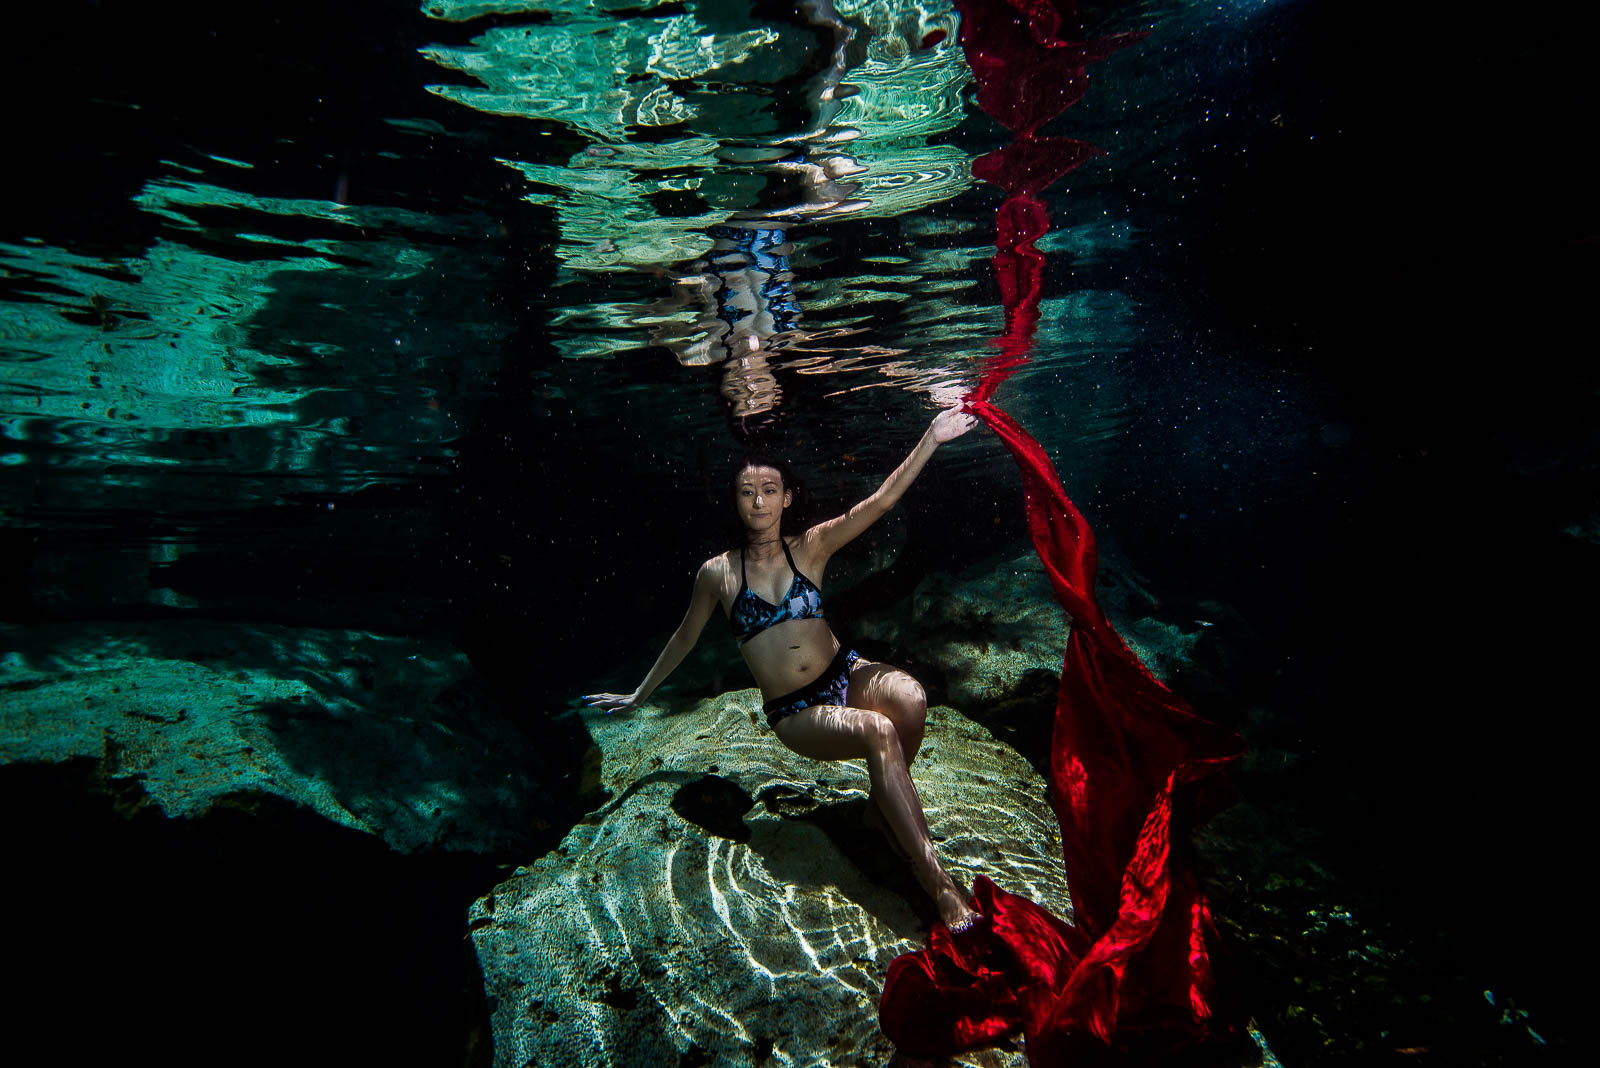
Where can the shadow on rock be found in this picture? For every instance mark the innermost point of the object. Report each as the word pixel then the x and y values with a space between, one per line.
pixel 856 830
pixel 1024 716
pixel 715 805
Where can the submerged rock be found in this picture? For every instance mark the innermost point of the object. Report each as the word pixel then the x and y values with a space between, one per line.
pixel 983 631
pixel 733 903
pixel 391 736
pixel 980 631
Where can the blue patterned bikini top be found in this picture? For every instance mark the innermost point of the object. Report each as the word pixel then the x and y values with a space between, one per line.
pixel 752 614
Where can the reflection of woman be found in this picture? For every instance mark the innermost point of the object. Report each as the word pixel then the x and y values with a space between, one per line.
pixel 822 700
pixel 743 294
pixel 742 290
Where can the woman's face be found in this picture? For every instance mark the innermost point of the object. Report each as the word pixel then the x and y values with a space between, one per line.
pixel 760 497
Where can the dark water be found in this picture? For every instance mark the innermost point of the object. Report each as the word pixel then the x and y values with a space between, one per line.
pixel 364 316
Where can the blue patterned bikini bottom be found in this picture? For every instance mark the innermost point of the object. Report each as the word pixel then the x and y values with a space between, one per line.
pixel 828 688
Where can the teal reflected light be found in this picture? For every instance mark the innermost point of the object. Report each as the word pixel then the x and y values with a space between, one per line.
pixel 620 83
pixel 227 332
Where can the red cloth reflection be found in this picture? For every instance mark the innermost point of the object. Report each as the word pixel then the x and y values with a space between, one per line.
pixel 1130 762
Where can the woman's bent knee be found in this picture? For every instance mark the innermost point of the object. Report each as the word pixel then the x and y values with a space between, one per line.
pixel 880 732
pixel 907 704
pixel 916 701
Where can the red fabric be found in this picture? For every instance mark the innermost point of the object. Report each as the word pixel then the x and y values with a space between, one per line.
pixel 1130 762
pixel 1027 72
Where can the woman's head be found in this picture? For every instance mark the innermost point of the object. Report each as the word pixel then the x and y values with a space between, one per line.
pixel 763 489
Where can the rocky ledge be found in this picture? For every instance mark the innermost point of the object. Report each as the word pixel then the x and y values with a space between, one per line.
pixel 391 736
pixel 732 904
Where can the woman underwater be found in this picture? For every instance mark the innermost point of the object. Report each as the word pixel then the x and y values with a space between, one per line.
pixel 822 700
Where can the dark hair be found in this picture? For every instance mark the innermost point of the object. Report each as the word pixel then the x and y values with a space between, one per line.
pixel 761 459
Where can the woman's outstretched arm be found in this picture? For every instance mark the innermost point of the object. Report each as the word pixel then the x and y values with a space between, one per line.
pixel 834 534
pixel 701 604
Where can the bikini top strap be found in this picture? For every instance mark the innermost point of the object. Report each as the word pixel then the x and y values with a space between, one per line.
pixel 792 565
pixel 744 579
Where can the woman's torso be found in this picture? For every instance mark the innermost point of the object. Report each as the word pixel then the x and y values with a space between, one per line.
pixel 793 652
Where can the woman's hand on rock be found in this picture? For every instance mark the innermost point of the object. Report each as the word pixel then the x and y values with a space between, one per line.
pixel 951 424
pixel 612 702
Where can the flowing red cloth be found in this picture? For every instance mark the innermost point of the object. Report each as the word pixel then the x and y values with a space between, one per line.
pixel 1131 764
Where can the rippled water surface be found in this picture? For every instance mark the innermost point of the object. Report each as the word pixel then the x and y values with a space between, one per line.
pixel 480 263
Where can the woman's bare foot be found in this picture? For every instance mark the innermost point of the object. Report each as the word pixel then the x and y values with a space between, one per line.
pixel 954 910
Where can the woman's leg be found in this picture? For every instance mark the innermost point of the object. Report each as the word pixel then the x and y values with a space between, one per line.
pixel 886 689
pixel 832 732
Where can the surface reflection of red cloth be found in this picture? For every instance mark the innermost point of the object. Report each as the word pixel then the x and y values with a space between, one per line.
pixel 1130 762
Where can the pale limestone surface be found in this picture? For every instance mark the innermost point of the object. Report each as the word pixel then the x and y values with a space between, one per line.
pixel 390 736
pixel 645 939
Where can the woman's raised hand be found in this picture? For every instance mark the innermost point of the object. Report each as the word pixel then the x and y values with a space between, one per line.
pixel 612 702
pixel 951 424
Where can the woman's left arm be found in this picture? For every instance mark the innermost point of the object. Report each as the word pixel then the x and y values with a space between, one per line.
pixel 835 534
